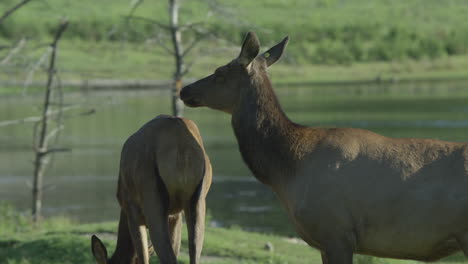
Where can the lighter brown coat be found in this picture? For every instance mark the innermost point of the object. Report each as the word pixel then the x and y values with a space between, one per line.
pixel 164 171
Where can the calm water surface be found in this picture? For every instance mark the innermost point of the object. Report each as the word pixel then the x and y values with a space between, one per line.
pixel 81 184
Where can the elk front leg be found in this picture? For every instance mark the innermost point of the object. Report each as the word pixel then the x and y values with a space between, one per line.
pixel 195 217
pixel 138 234
pixel 175 226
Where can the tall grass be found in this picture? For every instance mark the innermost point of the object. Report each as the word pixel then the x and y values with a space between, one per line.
pixel 329 31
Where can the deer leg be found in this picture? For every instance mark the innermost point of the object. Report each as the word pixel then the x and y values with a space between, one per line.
pixel 155 209
pixel 195 218
pixel 137 230
pixel 339 253
pixel 175 226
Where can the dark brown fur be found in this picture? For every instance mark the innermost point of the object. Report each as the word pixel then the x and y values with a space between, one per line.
pixel 346 190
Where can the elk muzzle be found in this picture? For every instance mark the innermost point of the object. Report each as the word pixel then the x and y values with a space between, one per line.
pixel 187 96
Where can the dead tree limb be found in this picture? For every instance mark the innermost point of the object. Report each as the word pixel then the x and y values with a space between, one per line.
pixel 33 68
pixel 12 10
pixel 149 20
pixel 33 119
pixel 176 35
pixel 41 148
pixel 135 5
pixel 177 50
pixel 13 51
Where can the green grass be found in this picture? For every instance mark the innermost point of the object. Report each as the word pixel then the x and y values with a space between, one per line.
pixel 81 60
pixel 59 241
pixel 331 40
pixel 325 31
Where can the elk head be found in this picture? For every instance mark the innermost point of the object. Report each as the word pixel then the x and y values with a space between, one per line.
pixel 222 89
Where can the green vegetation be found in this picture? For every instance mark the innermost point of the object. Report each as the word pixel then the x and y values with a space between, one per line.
pixel 59 241
pixel 331 40
pixel 324 31
pixel 80 60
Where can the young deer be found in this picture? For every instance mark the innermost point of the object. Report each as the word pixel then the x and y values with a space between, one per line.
pixel 164 170
pixel 346 190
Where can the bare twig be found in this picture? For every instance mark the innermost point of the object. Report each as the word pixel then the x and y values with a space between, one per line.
pixel 13 51
pixel 135 5
pixel 53 150
pixel 191 26
pixel 34 118
pixel 162 45
pixel 33 68
pixel 193 44
pixel 12 10
pixel 149 20
pixel 20 121
pixel 52 134
pixel 188 67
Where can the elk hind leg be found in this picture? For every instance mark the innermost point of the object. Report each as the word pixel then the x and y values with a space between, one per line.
pixel 195 218
pixel 155 209
pixel 175 227
pixel 138 233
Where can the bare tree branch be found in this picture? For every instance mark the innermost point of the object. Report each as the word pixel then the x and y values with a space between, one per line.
pixel 161 43
pixel 190 26
pixel 20 121
pixel 12 10
pixel 33 68
pixel 53 150
pixel 13 51
pixel 188 67
pixel 149 20
pixel 52 134
pixel 193 44
pixel 135 5
pixel 34 118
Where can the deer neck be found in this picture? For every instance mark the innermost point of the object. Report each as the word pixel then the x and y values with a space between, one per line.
pixel 264 133
pixel 124 251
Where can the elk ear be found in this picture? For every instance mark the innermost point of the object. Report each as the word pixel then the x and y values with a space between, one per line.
pixel 99 250
pixel 250 49
pixel 274 54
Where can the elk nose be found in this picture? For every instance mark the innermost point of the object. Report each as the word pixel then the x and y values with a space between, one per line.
pixel 184 93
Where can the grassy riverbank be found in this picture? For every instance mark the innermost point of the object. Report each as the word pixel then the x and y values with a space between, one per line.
pixel 80 61
pixel 60 241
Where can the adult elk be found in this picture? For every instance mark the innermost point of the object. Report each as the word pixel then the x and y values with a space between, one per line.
pixel 346 190
pixel 164 170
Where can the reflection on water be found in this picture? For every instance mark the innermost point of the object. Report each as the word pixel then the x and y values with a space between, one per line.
pixel 82 183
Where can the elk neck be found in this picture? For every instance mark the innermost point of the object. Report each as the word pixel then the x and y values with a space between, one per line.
pixel 270 144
